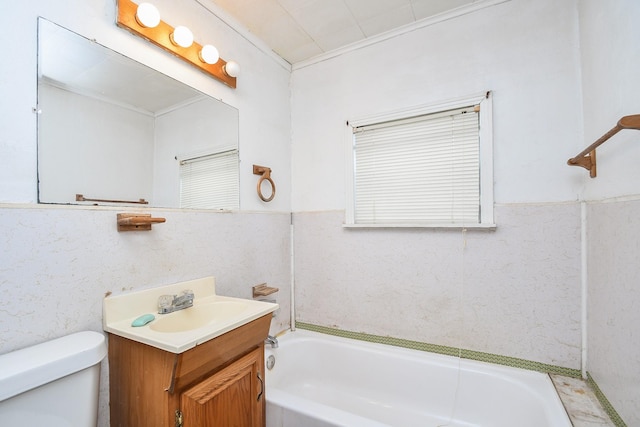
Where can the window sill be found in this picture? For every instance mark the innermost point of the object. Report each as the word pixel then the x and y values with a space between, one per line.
pixel 483 227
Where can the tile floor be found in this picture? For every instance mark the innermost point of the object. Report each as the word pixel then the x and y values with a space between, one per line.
pixel 581 404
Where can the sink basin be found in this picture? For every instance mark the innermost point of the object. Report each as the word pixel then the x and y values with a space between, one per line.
pixel 197 316
pixel 211 315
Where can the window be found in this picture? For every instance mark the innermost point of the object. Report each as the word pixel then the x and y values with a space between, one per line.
pixel 210 181
pixel 425 167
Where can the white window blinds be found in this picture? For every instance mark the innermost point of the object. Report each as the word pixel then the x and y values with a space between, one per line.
pixel 422 170
pixel 210 181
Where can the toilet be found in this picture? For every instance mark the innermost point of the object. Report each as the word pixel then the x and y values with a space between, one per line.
pixel 53 384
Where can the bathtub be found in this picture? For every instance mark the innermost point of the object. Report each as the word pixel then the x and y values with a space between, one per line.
pixel 320 380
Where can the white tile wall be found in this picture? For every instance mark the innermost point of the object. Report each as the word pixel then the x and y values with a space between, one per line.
pixel 614 304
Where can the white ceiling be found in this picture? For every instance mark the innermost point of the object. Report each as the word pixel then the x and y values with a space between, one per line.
pixel 301 29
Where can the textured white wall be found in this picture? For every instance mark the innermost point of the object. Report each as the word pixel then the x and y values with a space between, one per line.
pixel 614 297
pixel 610 69
pixel 512 292
pixel 515 291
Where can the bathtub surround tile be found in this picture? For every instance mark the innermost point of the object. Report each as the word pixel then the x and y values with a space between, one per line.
pixel 522 294
pixel 582 402
pixel 514 291
pixel 613 302
pixel 394 281
pixel 608 407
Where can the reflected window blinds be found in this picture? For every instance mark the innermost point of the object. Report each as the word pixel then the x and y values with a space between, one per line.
pixel 210 181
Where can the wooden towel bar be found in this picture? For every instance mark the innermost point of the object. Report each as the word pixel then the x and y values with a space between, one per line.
pixel 587 157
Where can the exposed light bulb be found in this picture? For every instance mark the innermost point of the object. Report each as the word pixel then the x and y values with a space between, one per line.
pixel 147 15
pixel 209 54
pixel 232 69
pixel 181 36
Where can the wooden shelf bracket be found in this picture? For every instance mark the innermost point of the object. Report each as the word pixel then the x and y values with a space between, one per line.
pixel 136 221
pixel 587 157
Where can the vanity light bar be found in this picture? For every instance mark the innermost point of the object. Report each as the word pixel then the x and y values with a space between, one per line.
pixel 161 36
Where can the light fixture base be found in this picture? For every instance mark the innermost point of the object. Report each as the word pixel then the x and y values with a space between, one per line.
pixel 160 36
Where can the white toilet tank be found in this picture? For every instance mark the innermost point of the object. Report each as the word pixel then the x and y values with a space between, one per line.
pixel 53 384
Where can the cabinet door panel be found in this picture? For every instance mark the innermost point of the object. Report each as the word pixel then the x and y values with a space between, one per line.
pixel 228 398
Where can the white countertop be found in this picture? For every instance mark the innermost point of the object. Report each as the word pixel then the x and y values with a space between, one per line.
pixel 120 311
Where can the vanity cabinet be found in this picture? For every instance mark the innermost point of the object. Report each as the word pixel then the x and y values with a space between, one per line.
pixel 231 397
pixel 219 383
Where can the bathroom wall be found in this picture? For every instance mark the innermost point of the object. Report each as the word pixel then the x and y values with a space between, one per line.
pixel 514 291
pixel 81 145
pixel 609 37
pixel 57 263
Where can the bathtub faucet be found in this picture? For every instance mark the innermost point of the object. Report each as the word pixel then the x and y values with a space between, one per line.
pixel 171 303
pixel 272 340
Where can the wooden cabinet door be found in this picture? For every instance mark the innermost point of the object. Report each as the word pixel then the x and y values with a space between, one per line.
pixel 232 397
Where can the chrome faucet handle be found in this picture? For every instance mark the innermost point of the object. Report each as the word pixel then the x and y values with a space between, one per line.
pixel 188 293
pixel 186 297
pixel 165 300
pixel 171 303
pixel 271 340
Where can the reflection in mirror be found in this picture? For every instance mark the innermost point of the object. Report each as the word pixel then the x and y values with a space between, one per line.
pixel 112 129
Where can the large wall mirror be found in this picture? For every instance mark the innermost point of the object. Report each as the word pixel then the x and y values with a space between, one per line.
pixel 113 131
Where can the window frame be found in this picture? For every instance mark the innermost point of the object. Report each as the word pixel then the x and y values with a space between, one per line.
pixel 485 150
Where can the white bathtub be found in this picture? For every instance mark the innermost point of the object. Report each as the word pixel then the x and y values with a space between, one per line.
pixel 320 381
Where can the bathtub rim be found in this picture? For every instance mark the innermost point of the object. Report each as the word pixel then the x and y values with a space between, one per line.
pixel 491 358
pixel 473 364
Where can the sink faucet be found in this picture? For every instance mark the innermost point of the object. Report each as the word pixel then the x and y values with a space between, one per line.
pixel 272 340
pixel 171 303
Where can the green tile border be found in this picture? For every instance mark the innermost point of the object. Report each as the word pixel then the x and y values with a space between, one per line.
pixel 608 408
pixel 445 350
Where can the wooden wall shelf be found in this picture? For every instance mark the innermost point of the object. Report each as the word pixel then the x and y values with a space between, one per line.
pixel 263 290
pixel 137 222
